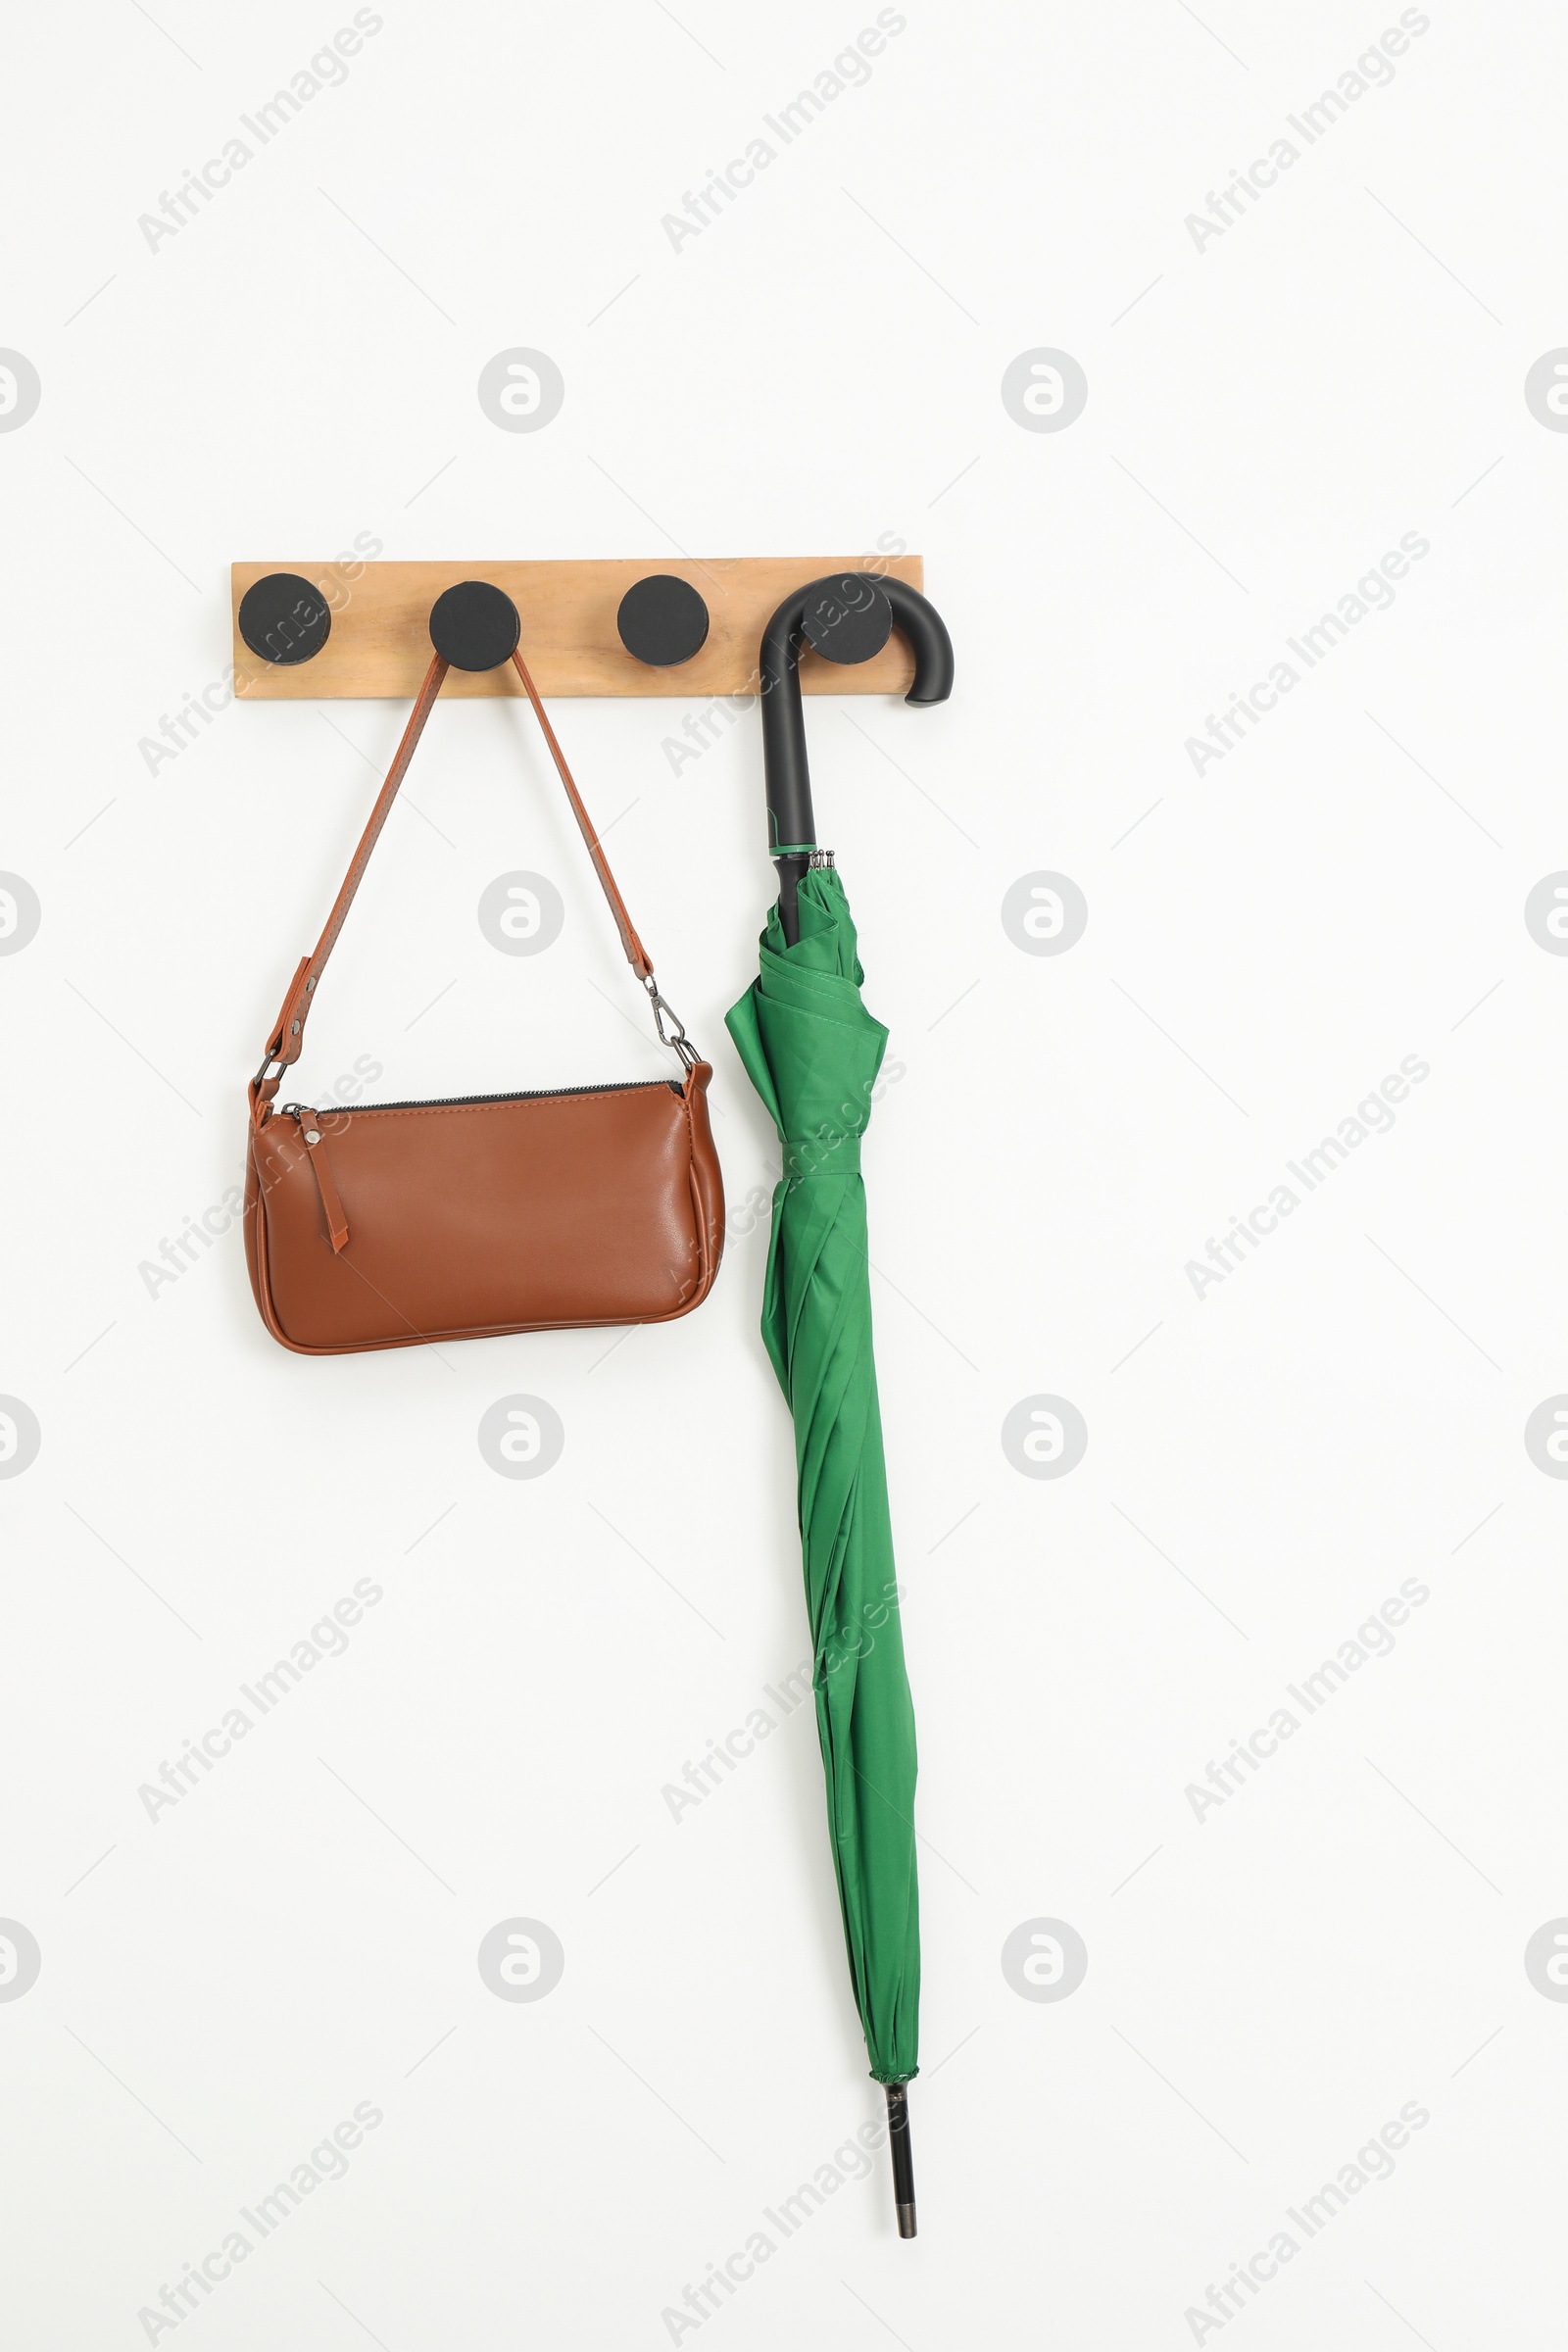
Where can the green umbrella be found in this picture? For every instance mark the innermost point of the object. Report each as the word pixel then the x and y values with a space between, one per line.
pixel 812 1052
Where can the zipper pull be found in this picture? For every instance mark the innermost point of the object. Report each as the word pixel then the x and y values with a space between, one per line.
pixel 337 1223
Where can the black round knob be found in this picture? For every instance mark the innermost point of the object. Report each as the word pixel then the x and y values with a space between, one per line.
pixel 662 621
pixel 474 625
pixel 284 619
pixel 850 620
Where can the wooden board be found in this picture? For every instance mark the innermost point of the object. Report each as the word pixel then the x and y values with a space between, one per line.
pixel 379 644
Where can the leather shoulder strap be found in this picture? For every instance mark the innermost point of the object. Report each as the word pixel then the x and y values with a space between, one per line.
pixel 288 1031
pixel 635 954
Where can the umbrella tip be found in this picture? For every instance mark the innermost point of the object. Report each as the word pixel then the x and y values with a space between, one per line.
pixel 898 2098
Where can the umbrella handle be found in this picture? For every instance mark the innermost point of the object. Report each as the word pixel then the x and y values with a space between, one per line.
pixel 902 2156
pixel 848 600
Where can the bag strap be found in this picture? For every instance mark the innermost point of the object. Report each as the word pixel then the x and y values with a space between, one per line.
pixel 288 1031
pixel 629 940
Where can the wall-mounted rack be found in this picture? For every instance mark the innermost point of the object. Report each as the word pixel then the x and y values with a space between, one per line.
pixel 352 630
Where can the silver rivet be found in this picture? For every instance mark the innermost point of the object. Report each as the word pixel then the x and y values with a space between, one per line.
pixel 315 1136
pixel 293 1028
pixel 309 985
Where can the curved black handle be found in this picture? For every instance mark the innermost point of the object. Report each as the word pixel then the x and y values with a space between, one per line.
pixel 845 601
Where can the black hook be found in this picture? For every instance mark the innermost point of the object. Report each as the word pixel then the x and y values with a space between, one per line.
pixel 284 619
pixel 663 621
pixel 847 617
pixel 474 625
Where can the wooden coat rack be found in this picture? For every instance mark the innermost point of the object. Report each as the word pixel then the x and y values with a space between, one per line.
pixel 359 630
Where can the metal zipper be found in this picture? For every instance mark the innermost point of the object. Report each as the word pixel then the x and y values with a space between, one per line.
pixel 532 1094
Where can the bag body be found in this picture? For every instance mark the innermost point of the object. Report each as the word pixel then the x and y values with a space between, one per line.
pixel 395 1224
pixel 523 1212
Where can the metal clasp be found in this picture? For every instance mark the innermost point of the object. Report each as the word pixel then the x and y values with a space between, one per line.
pixel 675 1038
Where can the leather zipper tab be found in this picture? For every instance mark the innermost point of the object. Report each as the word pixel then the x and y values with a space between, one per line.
pixel 337 1224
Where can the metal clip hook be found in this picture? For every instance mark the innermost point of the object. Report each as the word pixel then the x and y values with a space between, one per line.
pixel 674 1038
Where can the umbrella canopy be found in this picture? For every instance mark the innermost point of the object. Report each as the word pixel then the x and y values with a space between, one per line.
pixel 812 1052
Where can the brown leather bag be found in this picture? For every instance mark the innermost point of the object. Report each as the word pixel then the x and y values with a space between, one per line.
pixel 401 1222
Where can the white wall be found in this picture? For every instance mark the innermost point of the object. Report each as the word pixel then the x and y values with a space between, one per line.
pixel 1270 1457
